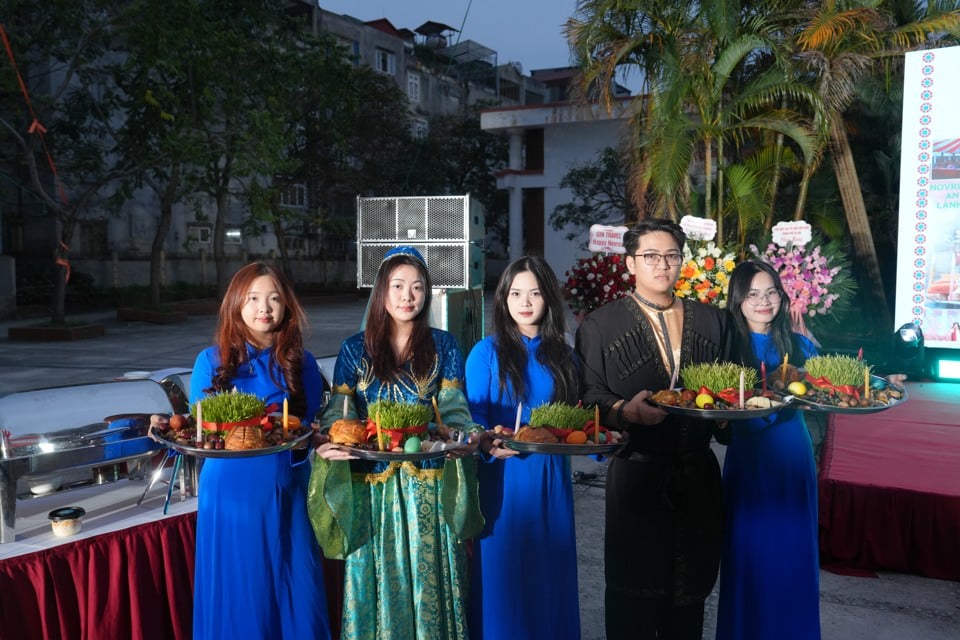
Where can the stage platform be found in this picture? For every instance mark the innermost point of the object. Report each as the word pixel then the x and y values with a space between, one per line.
pixel 889 486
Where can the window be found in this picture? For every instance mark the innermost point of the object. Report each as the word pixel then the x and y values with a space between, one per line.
pixel 386 62
pixel 199 233
pixel 294 196
pixel 93 238
pixel 419 128
pixel 233 235
pixel 295 243
pixel 413 87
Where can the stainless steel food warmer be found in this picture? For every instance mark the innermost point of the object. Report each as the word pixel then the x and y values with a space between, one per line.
pixel 58 438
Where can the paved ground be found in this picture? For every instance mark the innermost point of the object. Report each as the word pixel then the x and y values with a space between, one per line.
pixel 891 607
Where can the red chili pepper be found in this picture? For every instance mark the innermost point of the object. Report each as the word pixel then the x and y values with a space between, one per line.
pixel 730 396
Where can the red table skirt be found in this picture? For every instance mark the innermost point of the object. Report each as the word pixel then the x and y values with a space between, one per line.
pixel 889 488
pixel 136 583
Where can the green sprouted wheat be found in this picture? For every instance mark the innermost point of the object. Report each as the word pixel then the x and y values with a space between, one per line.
pixel 840 370
pixel 230 406
pixel 717 376
pixel 560 416
pixel 399 415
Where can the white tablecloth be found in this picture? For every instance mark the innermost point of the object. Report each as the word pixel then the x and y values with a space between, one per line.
pixel 109 507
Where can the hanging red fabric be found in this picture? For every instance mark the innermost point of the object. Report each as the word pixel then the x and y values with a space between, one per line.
pixel 36 128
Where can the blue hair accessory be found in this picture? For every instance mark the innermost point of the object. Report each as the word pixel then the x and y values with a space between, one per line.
pixel 405 250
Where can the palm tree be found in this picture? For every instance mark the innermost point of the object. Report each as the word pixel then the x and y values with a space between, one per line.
pixel 711 90
pixel 838 43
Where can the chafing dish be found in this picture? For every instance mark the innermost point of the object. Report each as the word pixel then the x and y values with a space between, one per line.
pixel 55 438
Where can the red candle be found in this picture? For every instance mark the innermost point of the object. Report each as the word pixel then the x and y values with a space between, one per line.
pixel 763 375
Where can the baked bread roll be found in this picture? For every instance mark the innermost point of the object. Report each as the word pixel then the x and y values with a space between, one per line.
pixel 535 434
pixel 345 431
pixel 666 396
pixel 244 437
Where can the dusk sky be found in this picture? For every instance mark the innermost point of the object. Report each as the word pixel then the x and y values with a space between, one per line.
pixel 524 31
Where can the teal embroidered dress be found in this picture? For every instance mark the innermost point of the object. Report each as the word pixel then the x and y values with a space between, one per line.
pixel 400 526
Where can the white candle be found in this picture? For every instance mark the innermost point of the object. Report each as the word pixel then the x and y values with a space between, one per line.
pixel 199 422
pixel 741 388
pixel 516 424
pixel 345 406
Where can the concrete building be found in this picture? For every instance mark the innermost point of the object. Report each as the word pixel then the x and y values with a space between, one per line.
pixel 441 76
pixel 546 141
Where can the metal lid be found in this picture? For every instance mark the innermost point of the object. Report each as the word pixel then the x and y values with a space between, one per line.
pixel 66 513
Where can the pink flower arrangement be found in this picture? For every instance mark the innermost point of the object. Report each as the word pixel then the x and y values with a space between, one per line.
pixel 812 279
pixel 595 281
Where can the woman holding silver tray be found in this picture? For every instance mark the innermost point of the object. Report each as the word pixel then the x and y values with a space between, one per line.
pixel 258 566
pixel 400 525
pixel 527 500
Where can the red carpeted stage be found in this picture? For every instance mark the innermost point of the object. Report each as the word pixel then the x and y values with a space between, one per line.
pixel 889 487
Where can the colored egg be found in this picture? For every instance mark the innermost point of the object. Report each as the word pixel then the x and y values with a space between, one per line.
pixel 412 445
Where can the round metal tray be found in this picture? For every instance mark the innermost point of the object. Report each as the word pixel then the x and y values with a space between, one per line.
pixel 399 456
pixel 564 449
pixel 810 405
pixel 200 452
pixel 725 414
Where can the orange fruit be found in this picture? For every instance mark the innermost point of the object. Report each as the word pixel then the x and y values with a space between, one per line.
pixel 576 437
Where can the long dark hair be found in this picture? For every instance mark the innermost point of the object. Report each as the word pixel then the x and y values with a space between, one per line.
pixel 781 329
pixel 553 352
pixel 421 350
pixel 232 335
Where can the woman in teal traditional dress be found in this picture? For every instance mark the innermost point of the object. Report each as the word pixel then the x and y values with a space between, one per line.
pixel 400 526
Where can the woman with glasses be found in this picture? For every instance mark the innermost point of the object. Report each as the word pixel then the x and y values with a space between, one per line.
pixel 663 507
pixel 769 579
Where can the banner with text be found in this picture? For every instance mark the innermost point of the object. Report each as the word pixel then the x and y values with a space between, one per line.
pixel 928 253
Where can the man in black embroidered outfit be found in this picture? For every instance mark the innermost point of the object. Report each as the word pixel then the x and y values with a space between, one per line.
pixel 663 503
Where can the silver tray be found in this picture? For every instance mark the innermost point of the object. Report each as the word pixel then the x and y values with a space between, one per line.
pixel 725 414
pixel 200 452
pixel 399 456
pixel 830 408
pixel 564 449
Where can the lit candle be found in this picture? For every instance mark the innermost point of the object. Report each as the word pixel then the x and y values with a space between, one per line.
pixel 783 369
pixel 285 410
pixel 866 383
pixel 741 388
pixel 199 422
pixel 516 424
pixel 596 424
pixel 763 375
pixel 379 432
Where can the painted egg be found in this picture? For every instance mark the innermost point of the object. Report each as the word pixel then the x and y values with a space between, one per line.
pixel 412 445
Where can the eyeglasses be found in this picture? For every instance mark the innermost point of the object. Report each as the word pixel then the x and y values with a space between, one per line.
pixel 653 259
pixel 755 297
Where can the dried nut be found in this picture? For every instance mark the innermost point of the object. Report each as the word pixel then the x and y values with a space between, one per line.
pixel 757 402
